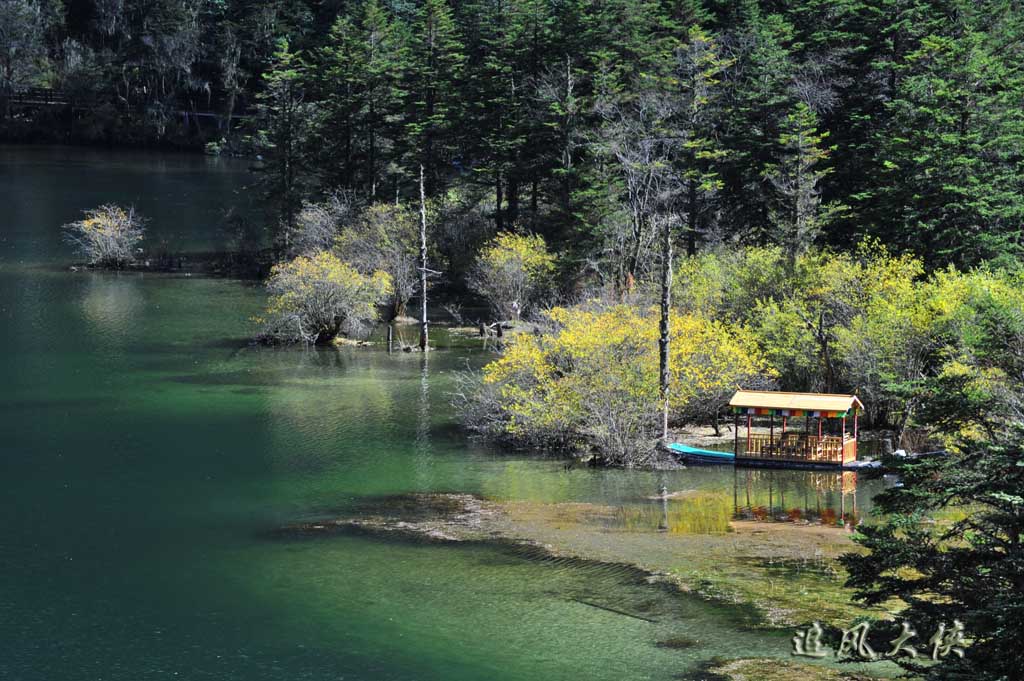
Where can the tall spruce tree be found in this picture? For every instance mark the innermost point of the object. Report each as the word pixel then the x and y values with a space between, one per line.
pixel 952 156
pixel 284 136
pixel 796 211
pixel 433 83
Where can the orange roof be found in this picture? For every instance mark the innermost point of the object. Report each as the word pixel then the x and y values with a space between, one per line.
pixel 765 399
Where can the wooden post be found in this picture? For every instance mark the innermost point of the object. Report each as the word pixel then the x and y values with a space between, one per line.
pixel 735 491
pixel 771 434
pixel 855 415
pixel 748 434
pixel 842 501
pixel 736 434
pixel 423 264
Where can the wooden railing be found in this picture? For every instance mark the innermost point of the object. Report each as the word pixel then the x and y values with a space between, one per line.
pixel 46 97
pixel 798 447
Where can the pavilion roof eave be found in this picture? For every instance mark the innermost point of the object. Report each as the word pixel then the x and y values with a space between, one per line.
pixel 775 401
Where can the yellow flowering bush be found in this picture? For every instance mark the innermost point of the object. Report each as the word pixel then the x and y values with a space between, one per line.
pixel 510 271
pixel 107 236
pixel 593 379
pixel 316 298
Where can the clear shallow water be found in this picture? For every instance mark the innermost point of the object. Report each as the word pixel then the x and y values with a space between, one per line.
pixel 147 451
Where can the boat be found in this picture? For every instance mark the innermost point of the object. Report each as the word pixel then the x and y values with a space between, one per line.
pixel 862 465
pixel 697 455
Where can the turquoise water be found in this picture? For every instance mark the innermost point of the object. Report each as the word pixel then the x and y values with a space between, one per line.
pixel 148 452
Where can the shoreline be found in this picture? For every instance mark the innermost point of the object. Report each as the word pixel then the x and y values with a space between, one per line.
pixel 771 555
pixel 787 574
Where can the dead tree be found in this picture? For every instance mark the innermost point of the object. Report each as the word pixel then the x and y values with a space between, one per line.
pixel 664 324
pixel 423 264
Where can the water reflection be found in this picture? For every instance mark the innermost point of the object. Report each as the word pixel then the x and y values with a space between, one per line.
pixel 323 408
pixel 692 512
pixel 112 305
pixel 826 497
pixel 704 500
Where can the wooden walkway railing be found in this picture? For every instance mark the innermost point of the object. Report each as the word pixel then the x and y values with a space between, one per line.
pixel 48 97
pixel 798 448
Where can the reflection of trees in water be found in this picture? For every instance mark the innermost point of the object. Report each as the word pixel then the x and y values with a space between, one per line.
pixel 526 479
pixel 424 452
pixel 798 494
pixel 321 402
pixel 112 305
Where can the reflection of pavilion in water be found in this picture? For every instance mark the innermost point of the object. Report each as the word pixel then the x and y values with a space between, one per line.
pixel 828 497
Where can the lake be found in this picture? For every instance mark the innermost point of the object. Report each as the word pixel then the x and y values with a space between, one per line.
pixel 149 452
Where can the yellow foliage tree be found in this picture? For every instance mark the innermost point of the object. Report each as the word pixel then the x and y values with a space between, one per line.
pixel 593 379
pixel 510 270
pixel 316 298
pixel 107 236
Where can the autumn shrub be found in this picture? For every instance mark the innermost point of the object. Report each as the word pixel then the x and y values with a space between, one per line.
pixel 384 237
pixel 870 322
pixel 315 299
pixel 107 236
pixel 317 225
pixel 592 379
pixel 511 271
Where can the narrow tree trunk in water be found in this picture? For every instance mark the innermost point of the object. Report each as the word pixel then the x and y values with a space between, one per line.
pixel 423 264
pixel 663 340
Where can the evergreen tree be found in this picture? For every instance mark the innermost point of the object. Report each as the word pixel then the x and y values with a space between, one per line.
pixel 360 79
pixel 756 100
pixel 796 211
pixel 968 572
pixel 284 136
pixel 433 83
pixel 951 183
pixel 699 74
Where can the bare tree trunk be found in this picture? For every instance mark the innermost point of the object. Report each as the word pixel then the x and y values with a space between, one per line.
pixel 533 201
pixel 423 264
pixel 512 199
pixel 499 222
pixel 663 339
pixel 691 243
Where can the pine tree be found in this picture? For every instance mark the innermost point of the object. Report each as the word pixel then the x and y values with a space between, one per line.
pixel 756 100
pixel 968 572
pixel 433 86
pixel 953 155
pixel 284 135
pixel 700 156
pixel 339 76
pixel 796 211
pixel 360 78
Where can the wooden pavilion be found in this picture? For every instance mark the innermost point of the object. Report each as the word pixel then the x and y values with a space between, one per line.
pixel 786 441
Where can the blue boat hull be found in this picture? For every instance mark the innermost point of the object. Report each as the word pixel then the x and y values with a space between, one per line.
pixel 696 455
